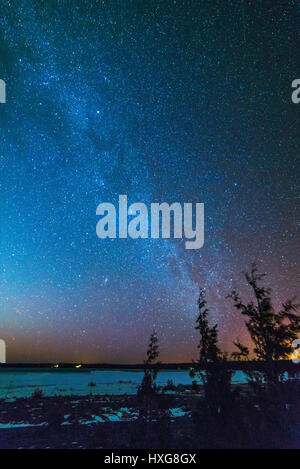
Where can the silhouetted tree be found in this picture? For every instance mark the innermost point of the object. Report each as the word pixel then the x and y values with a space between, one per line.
pixel 209 351
pixel 147 391
pixel 212 366
pixel 153 408
pixel 271 332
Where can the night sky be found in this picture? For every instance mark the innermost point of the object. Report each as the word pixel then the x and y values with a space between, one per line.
pixel 165 101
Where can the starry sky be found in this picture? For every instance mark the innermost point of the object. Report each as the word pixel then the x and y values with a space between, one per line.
pixel 165 101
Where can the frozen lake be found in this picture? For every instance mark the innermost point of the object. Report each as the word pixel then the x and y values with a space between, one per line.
pixel 22 383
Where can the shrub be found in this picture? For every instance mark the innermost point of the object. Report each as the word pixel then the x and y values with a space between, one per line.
pixel 170 386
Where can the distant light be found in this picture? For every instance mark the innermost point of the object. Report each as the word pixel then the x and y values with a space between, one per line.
pixel 78 366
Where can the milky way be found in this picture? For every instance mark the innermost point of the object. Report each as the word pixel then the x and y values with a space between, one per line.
pixel 168 101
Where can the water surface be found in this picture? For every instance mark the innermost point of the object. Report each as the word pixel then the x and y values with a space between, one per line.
pixel 22 383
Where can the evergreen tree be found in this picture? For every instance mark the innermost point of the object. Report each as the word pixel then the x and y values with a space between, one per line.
pixel 272 332
pixel 212 366
pixel 147 391
pixel 153 405
pixel 209 351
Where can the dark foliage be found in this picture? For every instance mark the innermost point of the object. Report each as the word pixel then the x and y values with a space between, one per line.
pixel 153 405
pixel 212 367
pixel 272 332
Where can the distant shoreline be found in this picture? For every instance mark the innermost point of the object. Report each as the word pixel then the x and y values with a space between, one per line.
pixel 284 365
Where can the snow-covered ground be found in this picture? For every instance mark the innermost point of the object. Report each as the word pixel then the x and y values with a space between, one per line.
pixel 107 415
pixel 16 383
